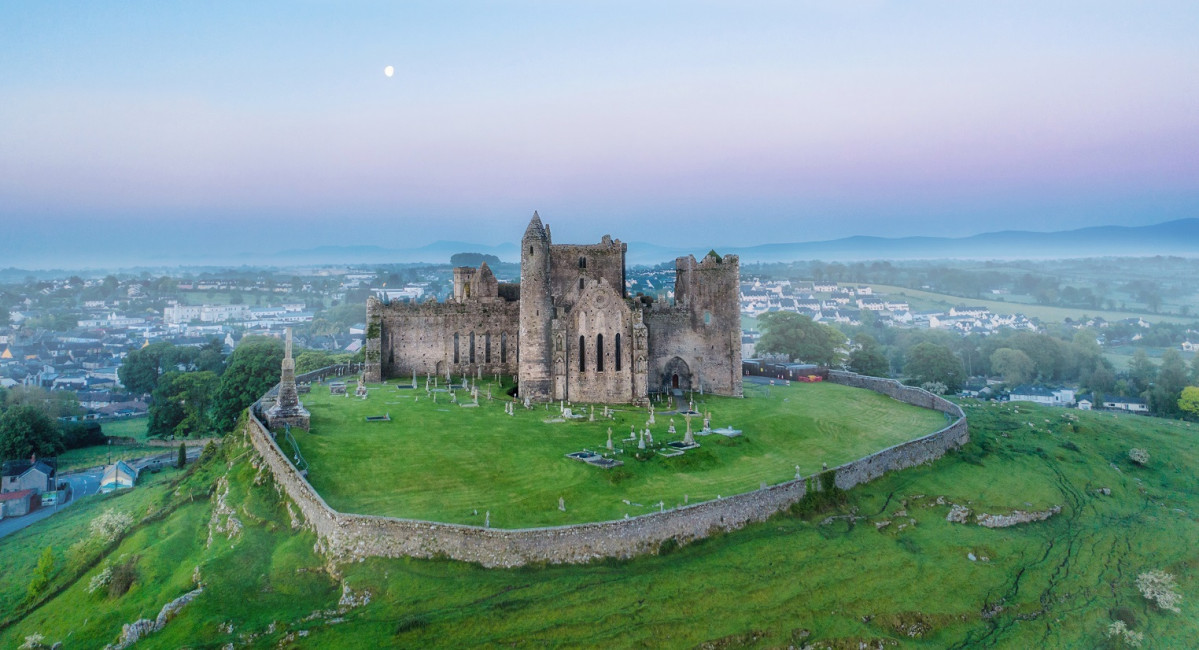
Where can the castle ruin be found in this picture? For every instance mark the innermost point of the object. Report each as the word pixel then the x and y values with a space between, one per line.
pixel 569 330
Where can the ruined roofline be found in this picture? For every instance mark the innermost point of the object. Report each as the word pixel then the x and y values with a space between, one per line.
pixel 708 261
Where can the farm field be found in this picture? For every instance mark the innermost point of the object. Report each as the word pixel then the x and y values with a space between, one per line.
pixel 125 428
pixel 448 463
pixel 837 579
pixel 926 300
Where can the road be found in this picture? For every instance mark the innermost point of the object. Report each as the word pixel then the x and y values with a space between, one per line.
pixel 83 483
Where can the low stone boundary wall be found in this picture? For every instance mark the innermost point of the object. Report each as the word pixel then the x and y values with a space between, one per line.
pixel 352 536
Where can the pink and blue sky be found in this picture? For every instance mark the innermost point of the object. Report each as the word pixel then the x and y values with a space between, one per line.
pixel 163 126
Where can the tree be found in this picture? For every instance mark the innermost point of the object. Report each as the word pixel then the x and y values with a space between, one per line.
pixel 182 404
pixel 41 573
pixel 252 370
pixel 1142 371
pixel 1188 402
pixel 27 430
pixel 181 461
pixel 1171 379
pixel 140 370
pixel 1015 366
pixel 868 358
pixel 799 338
pixel 930 362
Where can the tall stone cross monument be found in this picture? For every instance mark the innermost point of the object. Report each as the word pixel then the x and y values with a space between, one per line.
pixel 288 409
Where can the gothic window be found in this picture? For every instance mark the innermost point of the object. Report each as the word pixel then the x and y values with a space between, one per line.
pixel 618 352
pixel 472 347
pixel 599 352
pixel 503 347
pixel 487 348
pixel 456 347
pixel 582 354
pixel 582 262
pixel 707 318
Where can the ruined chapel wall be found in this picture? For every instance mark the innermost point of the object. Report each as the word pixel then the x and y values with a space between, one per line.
pixel 600 312
pixel 603 260
pixel 351 536
pixel 420 337
pixel 703 328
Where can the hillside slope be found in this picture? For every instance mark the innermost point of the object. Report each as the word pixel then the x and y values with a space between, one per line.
pixel 829 580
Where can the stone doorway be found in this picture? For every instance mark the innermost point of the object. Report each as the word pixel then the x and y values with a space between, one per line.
pixel 676 375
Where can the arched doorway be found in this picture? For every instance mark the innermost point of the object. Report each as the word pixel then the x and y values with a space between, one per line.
pixel 676 375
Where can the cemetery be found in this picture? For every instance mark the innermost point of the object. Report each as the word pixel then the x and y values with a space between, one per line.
pixel 506 463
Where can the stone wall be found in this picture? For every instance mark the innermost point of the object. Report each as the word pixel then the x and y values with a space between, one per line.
pixel 351 536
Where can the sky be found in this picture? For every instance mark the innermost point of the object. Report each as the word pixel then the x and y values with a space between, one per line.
pixel 142 130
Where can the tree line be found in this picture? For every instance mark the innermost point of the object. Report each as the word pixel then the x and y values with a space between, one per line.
pixel 945 362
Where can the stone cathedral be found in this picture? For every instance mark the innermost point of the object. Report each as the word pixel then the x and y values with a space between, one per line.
pixel 569 330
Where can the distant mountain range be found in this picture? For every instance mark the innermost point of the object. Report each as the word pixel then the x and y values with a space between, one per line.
pixel 1179 237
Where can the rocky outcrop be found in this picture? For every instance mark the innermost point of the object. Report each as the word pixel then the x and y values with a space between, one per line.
pixel 1017 517
pixel 131 633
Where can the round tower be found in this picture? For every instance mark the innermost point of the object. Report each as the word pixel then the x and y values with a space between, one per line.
pixel 536 312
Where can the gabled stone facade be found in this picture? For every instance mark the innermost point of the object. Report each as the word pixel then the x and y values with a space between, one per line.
pixel 569 331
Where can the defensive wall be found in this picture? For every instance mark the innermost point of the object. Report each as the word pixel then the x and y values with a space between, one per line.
pixel 352 536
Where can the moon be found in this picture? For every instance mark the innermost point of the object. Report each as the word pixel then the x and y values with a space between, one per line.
pixel 388 71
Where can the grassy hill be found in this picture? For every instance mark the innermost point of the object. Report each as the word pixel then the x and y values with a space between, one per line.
pixel 833 580
pixel 447 463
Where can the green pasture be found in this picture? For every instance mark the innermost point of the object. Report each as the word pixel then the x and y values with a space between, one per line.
pixel 839 579
pixel 125 428
pixel 928 300
pixel 444 462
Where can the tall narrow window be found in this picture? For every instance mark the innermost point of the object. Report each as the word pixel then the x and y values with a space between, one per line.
pixel 599 352
pixel 503 347
pixel 580 284
pixel 582 262
pixel 487 348
pixel 456 347
pixel 618 352
pixel 472 347
pixel 582 354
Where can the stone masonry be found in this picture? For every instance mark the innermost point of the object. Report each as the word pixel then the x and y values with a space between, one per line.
pixel 352 536
pixel 569 331
pixel 288 408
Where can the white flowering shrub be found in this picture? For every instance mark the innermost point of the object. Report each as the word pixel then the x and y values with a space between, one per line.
pixel 1138 456
pixel 110 524
pixel 34 640
pixel 100 580
pixel 935 387
pixel 1158 587
pixel 1123 637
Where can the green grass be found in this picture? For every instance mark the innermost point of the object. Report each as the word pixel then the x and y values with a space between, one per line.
pixel 787 581
pixel 443 462
pixel 927 300
pixel 74 459
pixel 126 428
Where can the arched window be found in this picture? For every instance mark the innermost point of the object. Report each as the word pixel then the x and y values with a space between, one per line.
pixel 582 262
pixel 472 347
pixel 487 348
pixel 707 318
pixel 503 347
pixel 456 347
pixel 582 354
pixel 599 352
pixel 618 352
pixel 530 251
